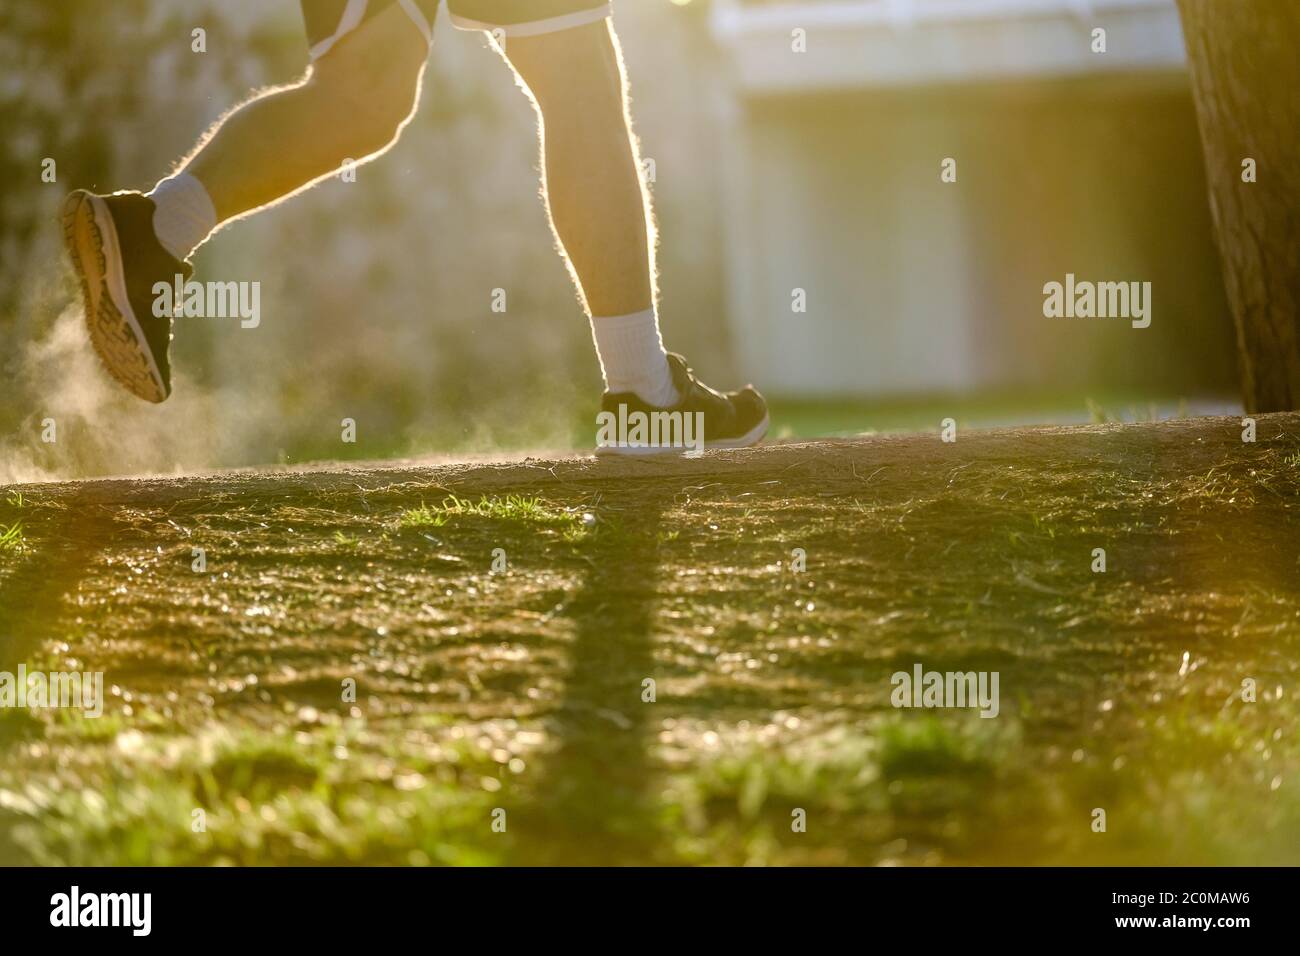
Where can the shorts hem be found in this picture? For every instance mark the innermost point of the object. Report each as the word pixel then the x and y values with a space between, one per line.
pixel 354 17
pixel 534 28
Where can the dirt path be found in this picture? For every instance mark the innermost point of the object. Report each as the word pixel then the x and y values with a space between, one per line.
pixel 522 690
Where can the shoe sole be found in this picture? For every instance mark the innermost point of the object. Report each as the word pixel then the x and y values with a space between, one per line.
pixel 91 240
pixel 752 437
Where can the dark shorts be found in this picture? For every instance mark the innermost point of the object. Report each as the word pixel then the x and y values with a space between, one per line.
pixel 329 20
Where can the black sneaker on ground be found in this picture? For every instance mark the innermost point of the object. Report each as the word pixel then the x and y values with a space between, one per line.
pixel 705 419
pixel 119 260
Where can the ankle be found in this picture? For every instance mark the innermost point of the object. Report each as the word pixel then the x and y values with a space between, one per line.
pixel 632 357
pixel 184 215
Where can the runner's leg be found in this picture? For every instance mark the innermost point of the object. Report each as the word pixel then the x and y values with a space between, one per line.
pixel 352 104
pixel 598 202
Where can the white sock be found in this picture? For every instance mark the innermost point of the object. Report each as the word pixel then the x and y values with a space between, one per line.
pixel 185 216
pixel 632 356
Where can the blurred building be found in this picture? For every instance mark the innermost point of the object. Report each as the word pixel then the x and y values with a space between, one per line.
pixel 838 115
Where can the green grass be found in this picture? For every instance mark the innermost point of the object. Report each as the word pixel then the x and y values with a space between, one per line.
pixel 512 509
pixel 11 537
pixel 825 418
pixel 522 690
pixel 253 797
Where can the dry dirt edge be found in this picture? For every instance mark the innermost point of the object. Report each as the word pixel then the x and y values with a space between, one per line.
pixel 861 458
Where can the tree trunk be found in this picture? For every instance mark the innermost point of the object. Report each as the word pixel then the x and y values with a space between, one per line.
pixel 1245 65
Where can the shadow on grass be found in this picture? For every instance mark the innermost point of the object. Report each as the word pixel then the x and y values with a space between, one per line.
pixel 594 801
pixel 61 545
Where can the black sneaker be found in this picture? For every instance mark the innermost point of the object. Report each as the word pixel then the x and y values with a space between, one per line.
pixel 730 420
pixel 118 260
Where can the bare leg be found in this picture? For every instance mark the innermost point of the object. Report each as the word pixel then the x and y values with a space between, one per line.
pixel 599 206
pixel 352 104
pixel 600 211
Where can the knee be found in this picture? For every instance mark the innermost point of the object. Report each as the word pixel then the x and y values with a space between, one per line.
pixel 372 97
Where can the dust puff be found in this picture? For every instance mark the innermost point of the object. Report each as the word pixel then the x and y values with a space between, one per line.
pixel 99 428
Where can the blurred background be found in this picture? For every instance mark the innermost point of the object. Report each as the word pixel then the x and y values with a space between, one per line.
pixel 773 170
